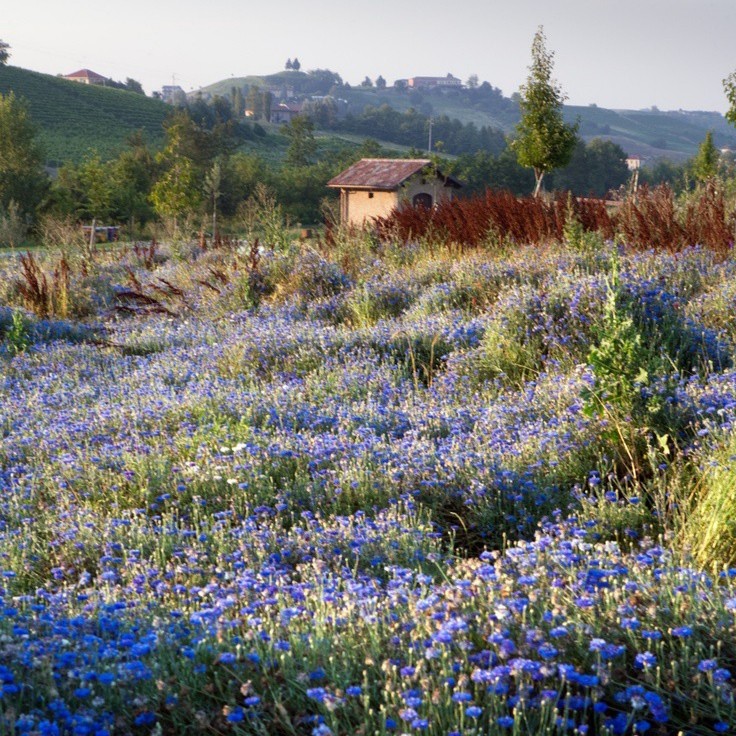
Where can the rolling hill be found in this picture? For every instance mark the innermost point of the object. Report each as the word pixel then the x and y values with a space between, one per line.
pixel 75 119
pixel 650 133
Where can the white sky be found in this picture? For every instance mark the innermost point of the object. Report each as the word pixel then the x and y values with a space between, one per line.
pixel 615 53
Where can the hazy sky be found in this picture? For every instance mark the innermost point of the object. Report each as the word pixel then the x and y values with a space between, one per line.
pixel 615 53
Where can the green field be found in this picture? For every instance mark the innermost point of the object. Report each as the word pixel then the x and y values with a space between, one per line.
pixel 76 119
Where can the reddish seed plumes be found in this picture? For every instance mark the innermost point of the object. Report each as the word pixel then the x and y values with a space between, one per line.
pixel 502 215
pixel 652 219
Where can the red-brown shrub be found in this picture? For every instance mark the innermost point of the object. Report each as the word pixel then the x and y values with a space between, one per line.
pixel 649 220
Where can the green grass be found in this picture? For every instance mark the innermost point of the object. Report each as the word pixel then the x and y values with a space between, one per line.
pixel 76 119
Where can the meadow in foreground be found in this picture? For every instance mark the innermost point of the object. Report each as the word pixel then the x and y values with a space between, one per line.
pixel 370 490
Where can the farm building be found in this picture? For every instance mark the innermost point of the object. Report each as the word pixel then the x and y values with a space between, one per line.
pixel 86 76
pixel 373 187
pixel 435 82
pixel 284 112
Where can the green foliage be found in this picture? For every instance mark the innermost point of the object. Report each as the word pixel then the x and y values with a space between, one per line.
pixel 664 172
pixel 4 52
pixel 595 169
pixel 411 127
pixel 483 170
pixel 705 164
pixel 176 193
pixel 260 216
pixel 618 359
pixel 17 338
pixel 133 173
pixel 729 87
pixel 22 179
pixel 300 132
pixel 544 141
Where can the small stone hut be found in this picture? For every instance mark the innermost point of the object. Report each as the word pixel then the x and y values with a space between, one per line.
pixel 373 187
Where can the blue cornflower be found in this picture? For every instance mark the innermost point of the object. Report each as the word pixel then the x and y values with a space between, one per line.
pixel 235 715
pixel 354 690
pixel 707 665
pixel 505 721
pixel 653 635
pixel 682 632
pixel 473 711
pixel 461 697
pixel 721 675
pixel 645 659
pixel 317 693
pixel 145 719
pixel 547 651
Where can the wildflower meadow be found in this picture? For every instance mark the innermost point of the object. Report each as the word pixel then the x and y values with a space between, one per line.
pixel 375 485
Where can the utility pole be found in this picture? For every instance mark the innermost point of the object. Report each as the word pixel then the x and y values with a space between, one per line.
pixel 429 147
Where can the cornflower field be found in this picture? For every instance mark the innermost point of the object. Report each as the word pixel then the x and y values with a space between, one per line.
pixel 376 488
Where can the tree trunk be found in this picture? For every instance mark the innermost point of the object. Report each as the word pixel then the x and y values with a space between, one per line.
pixel 538 175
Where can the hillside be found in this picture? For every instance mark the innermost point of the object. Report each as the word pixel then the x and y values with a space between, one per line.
pixel 649 133
pixel 75 119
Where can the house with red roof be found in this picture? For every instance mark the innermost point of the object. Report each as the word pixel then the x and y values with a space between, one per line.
pixel 86 76
pixel 373 187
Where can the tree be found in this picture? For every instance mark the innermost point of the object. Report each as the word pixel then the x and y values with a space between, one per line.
pixel 366 82
pixel 4 52
pixel 322 81
pixel 322 111
pixel 259 102
pixel 704 165
pixel 132 173
pixel 175 193
pixel 134 85
pixel 295 65
pixel 96 184
pixel 22 178
pixel 380 82
pixel 594 169
pixel 212 188
pixel 545 142
pixel 472 82
pixel 729 87
pixel 300 132
pixel 289 65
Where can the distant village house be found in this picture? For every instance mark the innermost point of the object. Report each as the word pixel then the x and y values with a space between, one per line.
pixel 448 82
pixel 86 76
pixel 284 112
pixel 374 187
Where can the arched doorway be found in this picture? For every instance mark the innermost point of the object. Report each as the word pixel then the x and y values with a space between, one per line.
pixel 422 200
